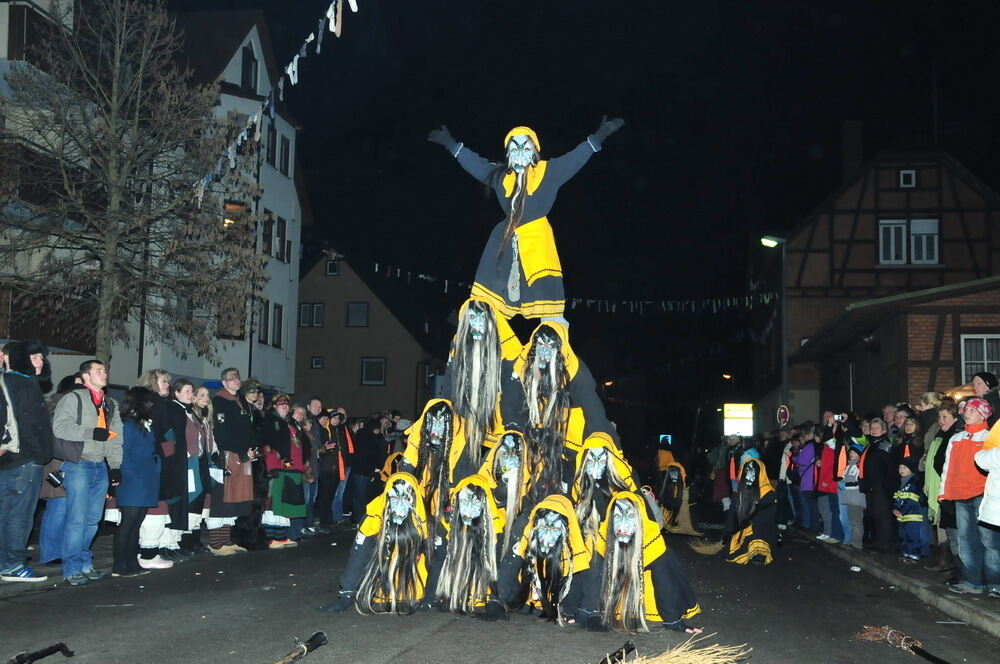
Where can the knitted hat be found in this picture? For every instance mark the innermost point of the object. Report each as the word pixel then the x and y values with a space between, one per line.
pixel 858 447
pixel 981 405
pixel 910 463
pixel 988 378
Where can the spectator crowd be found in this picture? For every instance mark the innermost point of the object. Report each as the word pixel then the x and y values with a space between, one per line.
pixel 180 471
pixel 921 482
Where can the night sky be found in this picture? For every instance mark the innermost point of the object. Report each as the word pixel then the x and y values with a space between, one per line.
pixel 733 113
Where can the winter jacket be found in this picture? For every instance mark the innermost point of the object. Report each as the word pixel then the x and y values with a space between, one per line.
pixel 989 509
pixel 850 486
pixel 369 452
pixel 34 429
pixel 140 485
pixel 874 468
pixel 234 430
pixel 909 499
pixel 65 426
pixel 961 478
pixel 827 471
pixel 805 462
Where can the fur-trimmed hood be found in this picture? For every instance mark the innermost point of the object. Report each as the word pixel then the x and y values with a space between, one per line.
pixel 19 357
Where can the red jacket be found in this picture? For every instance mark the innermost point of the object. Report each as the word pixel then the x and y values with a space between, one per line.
pixel 826 479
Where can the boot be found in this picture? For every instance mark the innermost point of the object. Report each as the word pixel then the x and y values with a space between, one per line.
pixel 937 563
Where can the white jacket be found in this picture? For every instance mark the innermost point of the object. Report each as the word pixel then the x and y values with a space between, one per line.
pixel 989 510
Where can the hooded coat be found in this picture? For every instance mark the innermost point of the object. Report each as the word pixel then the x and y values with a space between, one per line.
pixel 27 403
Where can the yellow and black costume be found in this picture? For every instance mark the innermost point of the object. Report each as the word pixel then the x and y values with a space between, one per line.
pixel 547 574
pixel 752 516
pixel 437 466
pixel 591 495
pixel 520 272
pixel 674 495
pixel 467 580
pixel 386 571
pixel 508 466
pixel 630 601
pixel 479 377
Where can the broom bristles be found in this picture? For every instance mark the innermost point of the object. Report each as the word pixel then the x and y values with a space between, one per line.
pixel 888 635
pixel 690 652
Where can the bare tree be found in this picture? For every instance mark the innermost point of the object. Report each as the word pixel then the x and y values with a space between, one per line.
pixel 104 222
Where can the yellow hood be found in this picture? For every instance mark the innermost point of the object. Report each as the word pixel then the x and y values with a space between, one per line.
pixel 376 508
pixel 578 551
pixel 412 451
pixel 653 544
pixel 569 357
pixel 596 441
pixel 489 462
pixel 763 483
pixel 487 485
pixel 535 173
pixel 510 345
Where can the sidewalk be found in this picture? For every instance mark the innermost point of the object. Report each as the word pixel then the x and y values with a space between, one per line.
pixel 980 612
pixel 103 557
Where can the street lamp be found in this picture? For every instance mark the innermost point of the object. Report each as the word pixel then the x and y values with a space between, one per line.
pixel 771 241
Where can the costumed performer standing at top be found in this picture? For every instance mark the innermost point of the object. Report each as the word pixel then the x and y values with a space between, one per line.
pixel 519 271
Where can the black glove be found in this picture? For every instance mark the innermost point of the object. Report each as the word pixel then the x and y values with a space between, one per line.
pixel 115 475
pixel 443 137
pixel 608 127
pixel 100 434
pixel 273 473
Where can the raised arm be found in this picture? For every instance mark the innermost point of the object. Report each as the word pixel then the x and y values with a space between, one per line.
pixel 566 166
pixel 474 165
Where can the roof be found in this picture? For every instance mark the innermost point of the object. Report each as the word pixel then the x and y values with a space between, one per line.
pixel 858 317
pixel 412 304
pixel 212 38
pixel 884 156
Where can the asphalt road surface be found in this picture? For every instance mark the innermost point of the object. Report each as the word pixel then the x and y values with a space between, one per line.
pixel 248 608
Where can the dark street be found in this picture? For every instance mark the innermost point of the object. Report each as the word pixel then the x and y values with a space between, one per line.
pixel 249 608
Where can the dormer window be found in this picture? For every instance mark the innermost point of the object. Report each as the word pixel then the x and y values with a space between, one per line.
pixel 248 76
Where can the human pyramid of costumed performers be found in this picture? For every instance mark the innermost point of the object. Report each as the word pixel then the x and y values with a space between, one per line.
pixel 513 493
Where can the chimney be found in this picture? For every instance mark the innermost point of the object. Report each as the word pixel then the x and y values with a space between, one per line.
pixel 852 148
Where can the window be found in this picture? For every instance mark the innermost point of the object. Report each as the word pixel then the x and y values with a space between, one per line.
pixel 907 179
pixel 286 148
pixel 332 268
pixel 311 314
pixel 373 371
pixel 279 246
pixel 924 241
pixel 248 74
pixel 892 242
pixel 316 362
pixel 980 352
pixel 232 320
pixel 277 323
pixel 264 329
pixel 913 242
pixel 268 238
pixel 357 314
pixel 272 142
pixel 232 213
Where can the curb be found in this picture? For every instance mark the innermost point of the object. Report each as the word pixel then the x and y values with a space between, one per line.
pixel 967 610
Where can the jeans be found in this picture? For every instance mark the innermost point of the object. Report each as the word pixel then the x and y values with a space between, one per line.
pixel 829 509
pixel 310 489
pixel 51 534
pixel 360 488
pixel 19 489
pixel 971 551
pixel 338 498
pixel 328 486
pixel 86 484
pixel 991 542
pixel 786 505
pixel 852 522
pixel 809 516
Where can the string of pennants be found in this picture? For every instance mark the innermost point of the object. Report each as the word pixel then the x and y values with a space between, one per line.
pixel 330 21
pixel 604 305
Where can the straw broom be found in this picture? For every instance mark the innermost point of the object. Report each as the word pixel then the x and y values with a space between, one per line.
pixel 690 652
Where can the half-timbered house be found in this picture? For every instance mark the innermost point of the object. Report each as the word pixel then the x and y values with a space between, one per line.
pixel 888 286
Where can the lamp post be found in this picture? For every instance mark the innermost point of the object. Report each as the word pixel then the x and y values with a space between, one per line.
pixel 771 241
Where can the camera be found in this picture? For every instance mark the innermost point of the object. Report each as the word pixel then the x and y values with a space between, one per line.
pixel 840 417
pixel 55 478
